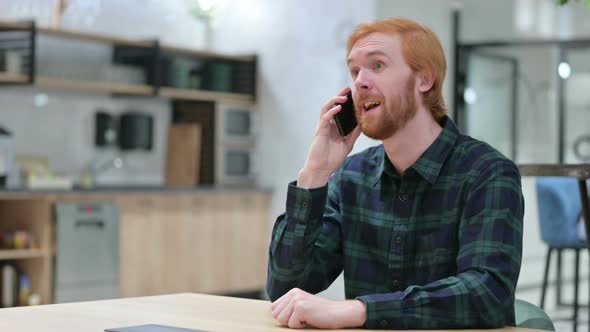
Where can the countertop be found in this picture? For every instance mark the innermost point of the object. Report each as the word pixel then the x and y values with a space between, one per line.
pixel 130 190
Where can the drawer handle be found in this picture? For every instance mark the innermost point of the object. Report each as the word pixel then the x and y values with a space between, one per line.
pixel 90 223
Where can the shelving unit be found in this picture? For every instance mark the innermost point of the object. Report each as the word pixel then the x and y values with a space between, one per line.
pixel 107 87
pixel 170 72
pixel 10 254
pixel 187 94
pixel 34 216
pixel 94 37
pixel 13 78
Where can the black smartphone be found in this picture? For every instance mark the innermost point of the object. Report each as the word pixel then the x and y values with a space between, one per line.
pixel 345 119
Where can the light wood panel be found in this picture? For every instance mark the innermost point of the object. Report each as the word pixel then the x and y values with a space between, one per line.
pixel 15 25
pixel 223 97
pixel 94 37
pixel 95 86
pixel 13 78
pixel 206 54
pixel 214 243
pixel 193 311
pixel 9 254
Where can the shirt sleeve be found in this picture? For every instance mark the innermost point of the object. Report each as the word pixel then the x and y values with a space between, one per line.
pixel 305 250
pixel 481 295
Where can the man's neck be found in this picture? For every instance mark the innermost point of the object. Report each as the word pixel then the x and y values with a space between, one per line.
pixel 410 142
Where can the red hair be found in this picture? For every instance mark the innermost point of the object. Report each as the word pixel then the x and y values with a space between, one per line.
pixel 422 51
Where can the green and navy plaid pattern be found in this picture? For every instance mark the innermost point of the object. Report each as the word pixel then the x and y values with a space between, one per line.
pixel 439 247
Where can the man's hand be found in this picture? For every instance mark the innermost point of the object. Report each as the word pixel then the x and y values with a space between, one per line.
pixel 299 309
pixel 328 148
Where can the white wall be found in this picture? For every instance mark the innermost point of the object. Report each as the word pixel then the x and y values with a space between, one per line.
pixel 297 74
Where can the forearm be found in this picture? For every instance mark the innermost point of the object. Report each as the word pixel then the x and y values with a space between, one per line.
pixel 474 299
pixel 294 258
pixel 309 179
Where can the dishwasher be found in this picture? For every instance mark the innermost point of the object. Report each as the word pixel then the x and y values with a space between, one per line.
pixel 86 263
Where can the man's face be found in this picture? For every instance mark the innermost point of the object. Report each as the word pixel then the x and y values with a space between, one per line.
pixel 383 85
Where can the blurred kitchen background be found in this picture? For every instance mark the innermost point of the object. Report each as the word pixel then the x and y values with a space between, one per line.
pixel 114 108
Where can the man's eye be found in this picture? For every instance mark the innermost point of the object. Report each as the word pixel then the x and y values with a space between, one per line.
pixel 377 66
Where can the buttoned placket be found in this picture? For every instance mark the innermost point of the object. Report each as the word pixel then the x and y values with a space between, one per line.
pixel 401 210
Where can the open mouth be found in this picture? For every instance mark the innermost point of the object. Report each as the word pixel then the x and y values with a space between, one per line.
pixel 368 106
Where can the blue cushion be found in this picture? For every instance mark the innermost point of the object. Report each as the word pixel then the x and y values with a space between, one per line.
pixel 559 206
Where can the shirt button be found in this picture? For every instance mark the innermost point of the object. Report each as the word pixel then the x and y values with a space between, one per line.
pixel 304 204
pixel 398 240
pixel 403 197
pixel 395 283
pixel 384 323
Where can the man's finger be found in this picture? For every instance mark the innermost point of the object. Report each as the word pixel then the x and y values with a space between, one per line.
pixel 281 299
pixel 285 314
pixel 297 320
pixel 276 311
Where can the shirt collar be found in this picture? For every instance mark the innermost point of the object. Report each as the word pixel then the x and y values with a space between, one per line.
pixel 430 162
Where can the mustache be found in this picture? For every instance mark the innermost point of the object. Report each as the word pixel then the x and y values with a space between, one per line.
pixel 362 98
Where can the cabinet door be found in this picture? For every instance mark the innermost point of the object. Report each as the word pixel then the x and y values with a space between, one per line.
pixel 138 243
pixel 197 242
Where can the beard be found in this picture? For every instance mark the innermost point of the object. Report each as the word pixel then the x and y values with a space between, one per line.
pixel 387 122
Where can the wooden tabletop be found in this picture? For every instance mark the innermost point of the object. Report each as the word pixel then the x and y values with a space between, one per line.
pixel 195 311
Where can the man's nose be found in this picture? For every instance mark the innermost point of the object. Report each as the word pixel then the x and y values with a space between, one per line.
pixel 362 81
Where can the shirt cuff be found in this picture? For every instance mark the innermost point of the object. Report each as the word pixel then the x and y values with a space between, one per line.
pixel 384 311
pixel 305 204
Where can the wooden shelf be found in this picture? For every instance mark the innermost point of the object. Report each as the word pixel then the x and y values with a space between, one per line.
pixel 15 25
pixel 108 87
pixel 8 254
pixel 13 78
pixel 224 97
pixel 243 67
pixel 95 37
pixel 206 54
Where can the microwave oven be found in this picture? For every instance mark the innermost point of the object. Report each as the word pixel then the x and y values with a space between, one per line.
pixel 235 138
pixel 235 165
pixel 235 124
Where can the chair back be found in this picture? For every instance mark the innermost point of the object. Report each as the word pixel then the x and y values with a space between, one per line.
pixel 559 206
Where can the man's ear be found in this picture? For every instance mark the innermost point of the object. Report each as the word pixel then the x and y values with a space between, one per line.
pixel 425 81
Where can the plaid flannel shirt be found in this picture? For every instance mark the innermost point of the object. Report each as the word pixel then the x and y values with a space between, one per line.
pixel 438 247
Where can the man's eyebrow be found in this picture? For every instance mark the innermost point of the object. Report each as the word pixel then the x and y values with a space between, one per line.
pixel 370 54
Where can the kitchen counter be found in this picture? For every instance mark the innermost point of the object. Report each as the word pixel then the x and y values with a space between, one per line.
pixel 209 239
pixel 99 190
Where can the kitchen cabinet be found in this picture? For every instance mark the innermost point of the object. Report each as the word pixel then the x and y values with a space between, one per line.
pixel 206 241
pixel 210 243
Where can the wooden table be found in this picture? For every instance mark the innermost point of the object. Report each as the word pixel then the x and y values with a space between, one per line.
pixel 578 171
pixel 204 312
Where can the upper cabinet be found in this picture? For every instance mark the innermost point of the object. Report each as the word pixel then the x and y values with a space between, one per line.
pixel 83 61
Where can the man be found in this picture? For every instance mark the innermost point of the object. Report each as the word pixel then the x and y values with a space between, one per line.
pixel 427 227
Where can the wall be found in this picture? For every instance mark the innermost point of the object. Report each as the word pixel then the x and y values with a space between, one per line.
pixel 297 73
pixel 67 118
